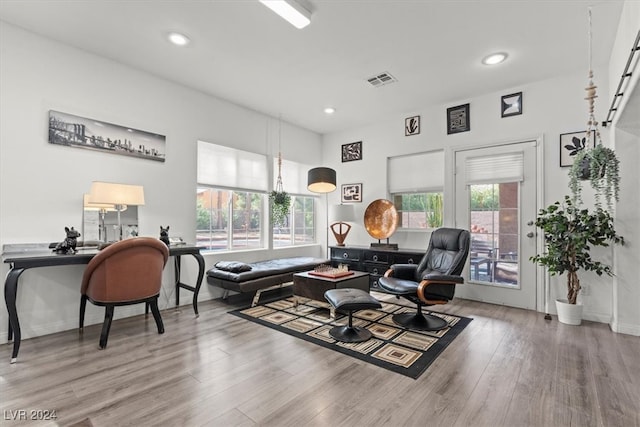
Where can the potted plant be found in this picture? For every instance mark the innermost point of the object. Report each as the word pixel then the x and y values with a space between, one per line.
pixel 569 233
pixel 280 202
pixel 600 166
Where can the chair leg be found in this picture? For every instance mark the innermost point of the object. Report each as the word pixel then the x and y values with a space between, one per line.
pixel 419 321
pixel 83 306
pixel 156 315
pixel 106 326
pixel 350 333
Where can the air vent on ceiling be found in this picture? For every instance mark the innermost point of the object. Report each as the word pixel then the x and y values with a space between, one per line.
pixel 381 79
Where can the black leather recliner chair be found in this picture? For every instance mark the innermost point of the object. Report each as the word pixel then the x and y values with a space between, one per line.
pixel 432 281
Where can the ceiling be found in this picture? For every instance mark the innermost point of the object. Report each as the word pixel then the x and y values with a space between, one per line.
pixel 244 53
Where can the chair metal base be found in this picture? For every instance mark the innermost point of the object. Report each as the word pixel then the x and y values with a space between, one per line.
pixel 347 333
pixel 420 322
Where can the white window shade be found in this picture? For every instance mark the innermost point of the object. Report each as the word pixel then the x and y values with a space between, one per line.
pixel 416 172
pixel 508 167
pixel 227 167
pixel 294 176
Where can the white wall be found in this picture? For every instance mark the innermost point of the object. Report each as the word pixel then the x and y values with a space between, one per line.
pixel 41 185
pixel 626 295
pixel 550 107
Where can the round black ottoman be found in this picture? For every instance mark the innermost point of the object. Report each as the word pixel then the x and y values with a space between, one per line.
pixel 350 300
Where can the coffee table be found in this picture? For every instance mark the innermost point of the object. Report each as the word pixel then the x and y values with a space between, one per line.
pixel 307 285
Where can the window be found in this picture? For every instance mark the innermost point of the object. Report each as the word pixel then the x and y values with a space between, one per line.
pixel 299 226
pixel 416 191
pixel 494 186
pixel 419 210
pixel 231 198
pixel 232 203
pixel 216 206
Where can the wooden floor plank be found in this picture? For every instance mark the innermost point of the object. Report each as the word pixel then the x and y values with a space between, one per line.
pixel 509 367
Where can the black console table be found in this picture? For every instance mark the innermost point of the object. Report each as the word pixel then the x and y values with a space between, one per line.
pixel 375 261
pixel 42 257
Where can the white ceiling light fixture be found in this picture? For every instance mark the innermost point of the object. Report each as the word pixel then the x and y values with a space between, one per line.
pixel 329 110
pixel 494 58
pixel 178 39
pixel 291 11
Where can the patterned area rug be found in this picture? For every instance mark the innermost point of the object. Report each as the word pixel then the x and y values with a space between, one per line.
pixel 407 352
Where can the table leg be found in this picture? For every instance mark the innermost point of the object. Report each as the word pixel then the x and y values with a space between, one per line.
pixel 195 289
pixel 10 294
pixel 176 268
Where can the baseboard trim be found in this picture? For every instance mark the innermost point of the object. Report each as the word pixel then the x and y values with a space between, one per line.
pixel 625 328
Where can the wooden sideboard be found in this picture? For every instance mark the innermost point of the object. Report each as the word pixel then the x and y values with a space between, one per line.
pixel 374 261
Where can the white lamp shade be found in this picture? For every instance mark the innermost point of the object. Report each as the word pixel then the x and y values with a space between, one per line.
pixel 116 194
pixel 344 213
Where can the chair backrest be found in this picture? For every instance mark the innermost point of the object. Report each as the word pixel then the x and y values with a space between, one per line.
pixel 128 270
pixel 447 252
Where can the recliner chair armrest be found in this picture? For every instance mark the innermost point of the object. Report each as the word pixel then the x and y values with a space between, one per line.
pixel 402 271
pixel 440 293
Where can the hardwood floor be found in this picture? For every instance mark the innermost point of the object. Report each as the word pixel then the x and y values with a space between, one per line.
pixel 509 367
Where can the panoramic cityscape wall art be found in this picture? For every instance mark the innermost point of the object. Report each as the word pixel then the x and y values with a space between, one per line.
pixel 73 131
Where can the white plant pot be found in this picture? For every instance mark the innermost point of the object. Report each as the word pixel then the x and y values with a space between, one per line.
pixel 569 314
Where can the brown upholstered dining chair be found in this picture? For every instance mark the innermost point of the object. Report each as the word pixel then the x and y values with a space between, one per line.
pixel 432 281
pixel 126 272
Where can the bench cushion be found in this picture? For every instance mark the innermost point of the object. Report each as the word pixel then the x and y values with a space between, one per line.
pixel 263 274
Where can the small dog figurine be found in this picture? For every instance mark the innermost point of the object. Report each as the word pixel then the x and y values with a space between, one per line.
pixel 68 246
pixel 164 235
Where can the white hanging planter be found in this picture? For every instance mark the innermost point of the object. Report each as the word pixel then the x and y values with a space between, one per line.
pixel 569 314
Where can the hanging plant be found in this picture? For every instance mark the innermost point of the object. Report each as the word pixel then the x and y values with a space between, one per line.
pixel 280 200
pixel 601 167
pixel 280 203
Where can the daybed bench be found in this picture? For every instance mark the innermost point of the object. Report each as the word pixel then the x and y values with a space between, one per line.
pixel 258 276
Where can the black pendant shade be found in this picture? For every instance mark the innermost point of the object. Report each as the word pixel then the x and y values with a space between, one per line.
pixel 321 180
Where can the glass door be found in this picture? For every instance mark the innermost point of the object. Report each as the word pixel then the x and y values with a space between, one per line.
pixel 496 202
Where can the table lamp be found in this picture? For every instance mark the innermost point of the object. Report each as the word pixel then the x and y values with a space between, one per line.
pixel 118 195
pixel 102 209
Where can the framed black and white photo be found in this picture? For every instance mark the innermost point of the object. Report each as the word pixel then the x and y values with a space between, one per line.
pixel 352 151
pixel 458 119
pixel 351 193
pixel 412 126
pixel 81 132
pixel 511 105
pixel 572 143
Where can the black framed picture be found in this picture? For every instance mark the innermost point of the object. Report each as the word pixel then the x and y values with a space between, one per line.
pixel 572 143
pixel 352 151
pixel 83 132
pixel 412 126
pixel 458 119
pixel 351 193
pixel 511 105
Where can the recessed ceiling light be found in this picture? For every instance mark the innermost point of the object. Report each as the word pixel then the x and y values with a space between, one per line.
pixel 178 39
pixel 494 58
pixel 329 110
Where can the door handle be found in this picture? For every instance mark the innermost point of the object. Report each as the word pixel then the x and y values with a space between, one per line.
pixel 530 223
pixel 530 234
